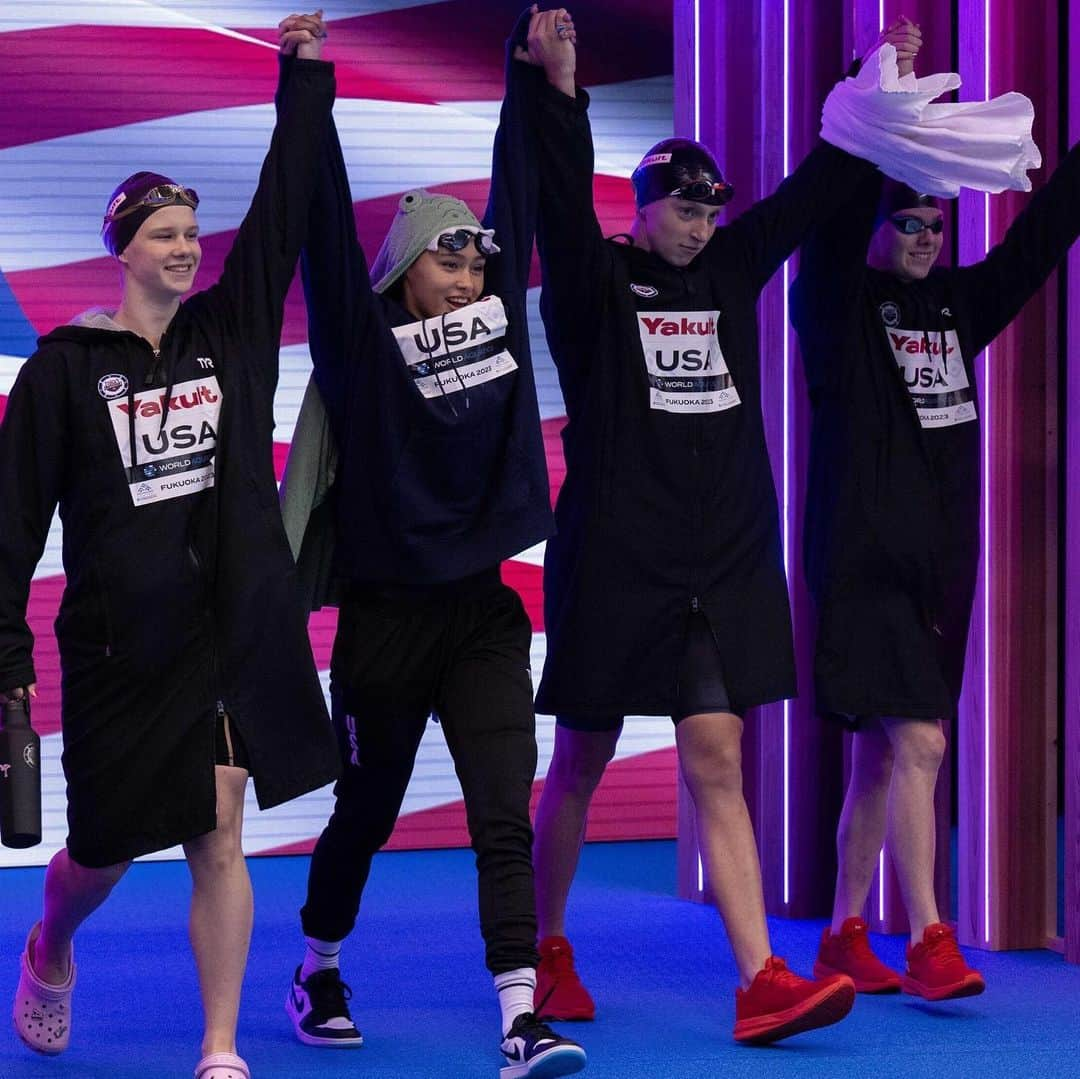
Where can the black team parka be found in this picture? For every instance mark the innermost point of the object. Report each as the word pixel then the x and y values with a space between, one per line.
pixel 176 603
pixel 668 505
pixel 892 522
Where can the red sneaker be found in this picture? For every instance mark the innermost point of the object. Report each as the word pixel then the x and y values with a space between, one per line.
pixel 936 970
pixel 779 1003
pixel 848 952
pixel 559 992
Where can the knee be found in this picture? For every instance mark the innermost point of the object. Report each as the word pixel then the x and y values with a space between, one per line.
pixel 714 768
pixel 578 771
pixel 921 747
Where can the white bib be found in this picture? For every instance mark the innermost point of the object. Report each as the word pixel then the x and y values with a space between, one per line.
pixel 685 366
pixel 938 384
pixel 175 460
pixel 466 348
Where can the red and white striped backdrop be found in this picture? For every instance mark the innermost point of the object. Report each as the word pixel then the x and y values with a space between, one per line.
pixel 93 92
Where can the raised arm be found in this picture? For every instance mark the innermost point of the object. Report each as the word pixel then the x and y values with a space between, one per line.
pixel 574 256
pixel 832 259
pixel 32 452
pixel 995 289
pixel 261 263
pixel 341 305
pixel 832 264
pixel 817 190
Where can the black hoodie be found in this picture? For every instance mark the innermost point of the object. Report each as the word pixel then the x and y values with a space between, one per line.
pixel 892 521
pixel 431 487
pixel 180 587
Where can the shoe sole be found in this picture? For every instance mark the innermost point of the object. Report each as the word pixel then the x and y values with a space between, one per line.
pixel 892 985
pixel 563 1060
pixel 50 1052
pixel 970 986
pixel 317 1042
pixel 826 1007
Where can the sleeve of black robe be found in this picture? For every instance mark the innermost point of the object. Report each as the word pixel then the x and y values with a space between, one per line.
pixel 832 270
pixel 262 260
pixel 766 234
pixel 992 291
pixel 32 466
pixel 575 259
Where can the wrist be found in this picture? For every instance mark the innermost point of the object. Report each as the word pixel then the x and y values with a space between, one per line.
pixel 562 78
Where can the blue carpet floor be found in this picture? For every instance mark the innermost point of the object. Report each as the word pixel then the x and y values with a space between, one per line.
pixel 659 967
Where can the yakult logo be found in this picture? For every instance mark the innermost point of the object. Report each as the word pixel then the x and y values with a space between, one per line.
pixel 147 406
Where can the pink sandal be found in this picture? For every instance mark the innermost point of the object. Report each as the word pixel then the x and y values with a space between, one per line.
pixel 42 1012
pixel 222 1066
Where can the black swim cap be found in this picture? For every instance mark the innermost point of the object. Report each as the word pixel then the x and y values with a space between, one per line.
pixel 675 164
pixel 896 196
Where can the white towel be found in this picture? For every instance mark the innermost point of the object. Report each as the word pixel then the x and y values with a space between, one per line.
pixel 934 149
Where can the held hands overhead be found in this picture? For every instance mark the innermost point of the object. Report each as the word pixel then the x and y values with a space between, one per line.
pixel 302 35
pixel 552 45
pixel 906 37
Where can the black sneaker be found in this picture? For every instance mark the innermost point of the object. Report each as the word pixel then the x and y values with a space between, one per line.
pixel 533 1049
pixel 319 1012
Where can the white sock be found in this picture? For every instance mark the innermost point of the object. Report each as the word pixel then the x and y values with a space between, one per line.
pixel 516 989
pixel 320 955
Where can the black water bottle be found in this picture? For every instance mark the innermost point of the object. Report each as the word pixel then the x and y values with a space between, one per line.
pixel 20 776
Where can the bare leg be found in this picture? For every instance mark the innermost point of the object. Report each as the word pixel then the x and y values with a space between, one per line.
pixel 862 821
pixel 222 910
pixel 576 768
pixel 710 755
pixel 72 893
pixel 918 747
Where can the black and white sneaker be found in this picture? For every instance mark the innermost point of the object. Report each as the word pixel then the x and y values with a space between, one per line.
pixel 533 1049
pixel 319 1010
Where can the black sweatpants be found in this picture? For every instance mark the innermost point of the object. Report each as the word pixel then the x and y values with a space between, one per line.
pixel 459 650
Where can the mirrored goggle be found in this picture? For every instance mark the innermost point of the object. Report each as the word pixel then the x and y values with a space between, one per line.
pixel 717 192
pixel 162 195
pixel 912 226
pixel 459 239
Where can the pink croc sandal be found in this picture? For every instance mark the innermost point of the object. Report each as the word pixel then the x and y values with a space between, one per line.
pixel 222 1066
pixel 42 1012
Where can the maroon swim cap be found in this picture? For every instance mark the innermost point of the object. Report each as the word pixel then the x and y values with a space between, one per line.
pixel 136 198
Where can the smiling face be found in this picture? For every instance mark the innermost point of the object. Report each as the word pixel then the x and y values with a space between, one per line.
pixel 908 257
pixel 164 254
pixel 675 229
pixel 440 282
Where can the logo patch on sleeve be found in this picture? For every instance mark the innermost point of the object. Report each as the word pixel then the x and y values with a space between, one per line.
pixel 684 363
pixel 175 457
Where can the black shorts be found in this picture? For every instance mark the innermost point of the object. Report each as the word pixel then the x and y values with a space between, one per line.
pixel 701 689
pixel 229 748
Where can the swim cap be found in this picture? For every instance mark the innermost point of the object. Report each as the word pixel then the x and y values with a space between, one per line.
pixel 896 196
pixel 675 165
pixel 137 197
